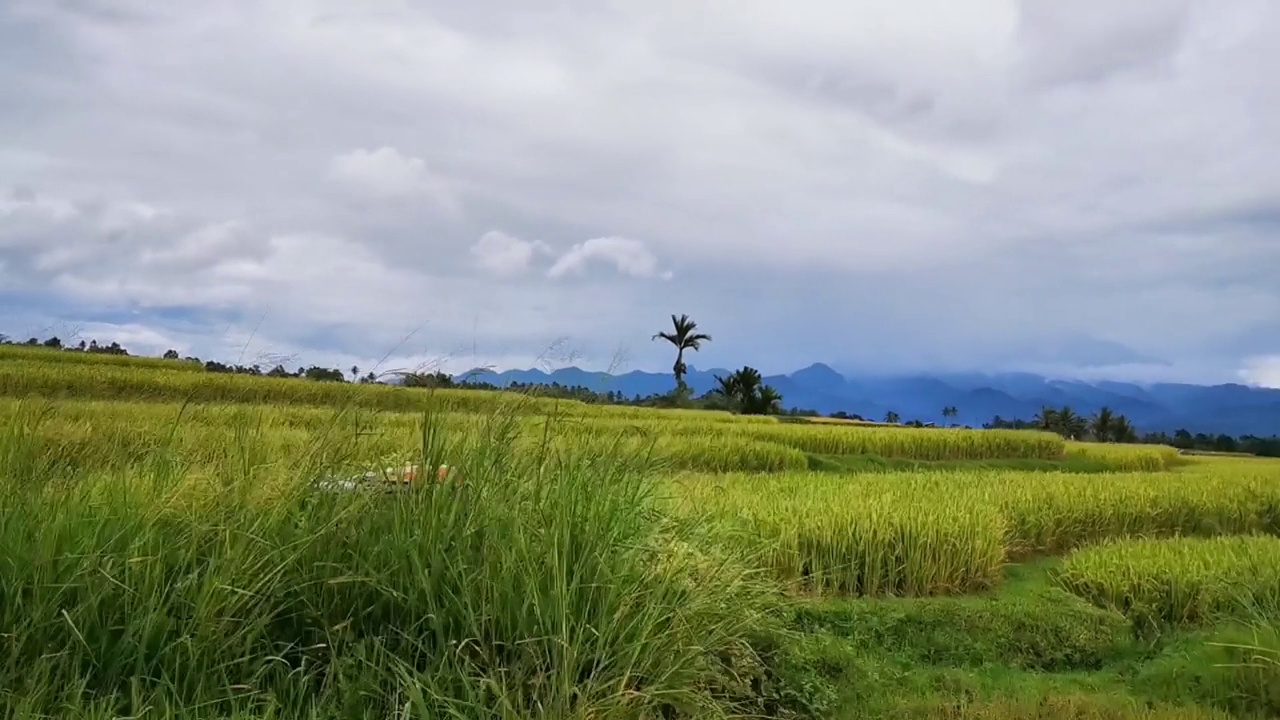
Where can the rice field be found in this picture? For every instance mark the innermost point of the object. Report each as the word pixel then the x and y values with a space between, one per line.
pixel 598 562
pixel 1183 580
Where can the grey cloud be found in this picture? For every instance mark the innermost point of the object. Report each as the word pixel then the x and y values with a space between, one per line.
pixel 896 180
pixel 1094 40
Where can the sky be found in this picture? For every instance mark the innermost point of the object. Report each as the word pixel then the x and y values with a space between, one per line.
pixel 1087 189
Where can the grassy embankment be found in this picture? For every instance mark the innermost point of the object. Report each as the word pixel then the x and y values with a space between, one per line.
pixel 158 531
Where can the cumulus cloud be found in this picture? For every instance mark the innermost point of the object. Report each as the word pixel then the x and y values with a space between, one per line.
pixel 947 185
pixel 627 256
pixel 386 174
pixel 506 256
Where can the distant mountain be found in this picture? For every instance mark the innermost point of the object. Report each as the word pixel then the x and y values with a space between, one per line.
pixel 1230 408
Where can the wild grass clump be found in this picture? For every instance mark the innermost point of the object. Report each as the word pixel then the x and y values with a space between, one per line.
pixel 542 585
pixel 1182 581
pixel 1060 706
pixel 1234 667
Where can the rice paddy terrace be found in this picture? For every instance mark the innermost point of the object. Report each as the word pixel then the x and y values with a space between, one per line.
pixel 165 552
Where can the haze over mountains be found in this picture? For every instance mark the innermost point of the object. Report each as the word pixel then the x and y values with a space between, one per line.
pixel 1230 408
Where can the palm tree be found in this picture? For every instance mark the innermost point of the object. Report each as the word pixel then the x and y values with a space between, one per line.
pixel 747 380
pixel 950 411
pixel 746 390
pixel 728 387
pixel 1122 430
pixel 1070 424
pixel 1046 419
pixel 770 402
pixel 1100 424
pixel 684 337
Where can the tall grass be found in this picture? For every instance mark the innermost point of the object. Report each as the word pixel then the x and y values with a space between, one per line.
pixel 545 584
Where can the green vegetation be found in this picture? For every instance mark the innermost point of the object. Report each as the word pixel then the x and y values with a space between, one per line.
pixel 1180 581
pixel 165 551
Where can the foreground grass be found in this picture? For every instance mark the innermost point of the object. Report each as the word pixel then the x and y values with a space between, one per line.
pixel 541 586
pixel 169 560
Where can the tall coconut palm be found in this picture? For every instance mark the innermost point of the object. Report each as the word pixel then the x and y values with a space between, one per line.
pixel 950 411
pixel 685 337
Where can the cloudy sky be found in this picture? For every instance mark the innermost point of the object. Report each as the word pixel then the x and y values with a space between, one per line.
pixel 1091 188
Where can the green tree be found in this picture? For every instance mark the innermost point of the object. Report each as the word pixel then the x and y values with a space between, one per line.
pixel 892 417
pixel 950 411
pixel 684 336
pixel 1071 425
pixel 746 392
pixel 1101 423
pixel 1122 431
pixel 1046 419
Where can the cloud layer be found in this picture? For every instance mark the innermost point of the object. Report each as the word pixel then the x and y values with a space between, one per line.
pixel 1091 187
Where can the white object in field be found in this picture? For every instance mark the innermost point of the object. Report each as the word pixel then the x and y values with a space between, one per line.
pixel 406 475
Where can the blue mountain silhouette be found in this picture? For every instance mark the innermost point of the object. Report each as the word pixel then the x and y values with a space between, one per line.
pixel 1230 408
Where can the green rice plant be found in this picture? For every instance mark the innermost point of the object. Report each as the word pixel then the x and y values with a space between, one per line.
pixel 543 585
pixel 26 353
pixel 917 443
pixel 108 382
pixel 1179 581
pixel 813 534
pixel 728 455
pixel 1125 457
pixel 158 382
pixel 1055 513
pixel 820 531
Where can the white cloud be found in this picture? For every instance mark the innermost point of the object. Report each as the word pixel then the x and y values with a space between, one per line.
pixel 629 257
pixel 1262 371
pixel 504 255
pixel 386 174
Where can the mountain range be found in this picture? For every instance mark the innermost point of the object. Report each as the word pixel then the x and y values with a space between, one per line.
pixel 1230 408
